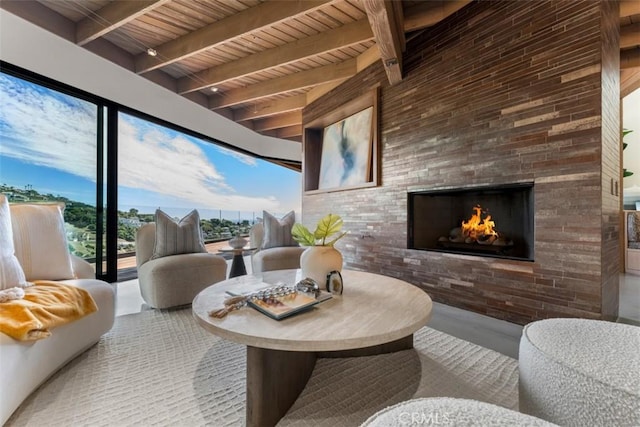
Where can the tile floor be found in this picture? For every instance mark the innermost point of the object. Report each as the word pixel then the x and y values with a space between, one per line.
pixel 495 334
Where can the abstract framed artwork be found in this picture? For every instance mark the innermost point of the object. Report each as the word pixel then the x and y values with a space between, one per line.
pixel 341 148
pixel 346 151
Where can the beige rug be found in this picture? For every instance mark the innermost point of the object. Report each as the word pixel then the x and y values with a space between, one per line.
pixel 160 368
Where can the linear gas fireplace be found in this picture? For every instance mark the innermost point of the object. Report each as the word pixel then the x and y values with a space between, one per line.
pixel 486 221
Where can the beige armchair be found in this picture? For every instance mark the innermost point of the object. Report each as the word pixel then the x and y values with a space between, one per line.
pixel 173 280
pixel 278 258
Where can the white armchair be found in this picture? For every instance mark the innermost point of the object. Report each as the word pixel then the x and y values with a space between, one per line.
pixel 277 258
pixel 173 280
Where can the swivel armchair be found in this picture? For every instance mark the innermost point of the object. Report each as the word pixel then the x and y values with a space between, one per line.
pixel 173 280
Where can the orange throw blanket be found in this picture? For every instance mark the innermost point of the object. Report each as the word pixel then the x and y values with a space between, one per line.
pixel 45 305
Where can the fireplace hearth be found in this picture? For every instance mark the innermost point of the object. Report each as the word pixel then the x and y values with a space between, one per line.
pixel 493 221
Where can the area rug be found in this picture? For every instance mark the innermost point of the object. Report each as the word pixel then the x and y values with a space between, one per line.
pixel 160 368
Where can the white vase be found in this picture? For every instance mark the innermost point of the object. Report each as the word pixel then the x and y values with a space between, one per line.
pixel 237 242
pixel 318 261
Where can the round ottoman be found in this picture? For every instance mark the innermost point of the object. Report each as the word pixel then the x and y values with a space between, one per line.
pixel 580 372
pixel 446 411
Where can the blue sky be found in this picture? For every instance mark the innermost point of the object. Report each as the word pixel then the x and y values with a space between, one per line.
pixel 47 140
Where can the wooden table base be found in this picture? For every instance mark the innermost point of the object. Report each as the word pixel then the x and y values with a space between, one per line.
pixel 275 378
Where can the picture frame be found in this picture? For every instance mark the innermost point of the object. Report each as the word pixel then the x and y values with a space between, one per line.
pixel 340 149
pixel 346 151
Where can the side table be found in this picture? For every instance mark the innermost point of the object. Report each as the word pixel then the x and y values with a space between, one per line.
pixel 237 264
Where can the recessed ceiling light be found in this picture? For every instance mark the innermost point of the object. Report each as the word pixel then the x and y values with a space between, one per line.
pixel 214 89
pixel 152 52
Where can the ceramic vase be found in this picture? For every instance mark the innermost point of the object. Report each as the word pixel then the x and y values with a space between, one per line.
pixel 317 262
pixel 237 242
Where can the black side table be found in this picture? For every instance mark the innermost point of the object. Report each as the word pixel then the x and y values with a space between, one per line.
pixel 237 264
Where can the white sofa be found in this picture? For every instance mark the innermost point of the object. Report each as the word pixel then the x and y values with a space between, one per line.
pixel 27 364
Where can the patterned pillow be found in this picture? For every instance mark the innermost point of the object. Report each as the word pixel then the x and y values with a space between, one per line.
pixel 11 273
pixel 277 232
pixel 40 241
pixel 182 237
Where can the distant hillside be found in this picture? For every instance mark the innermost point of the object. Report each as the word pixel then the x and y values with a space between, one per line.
pixel 78 214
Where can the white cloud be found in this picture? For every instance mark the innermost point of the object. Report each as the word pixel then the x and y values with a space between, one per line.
pixel 174 166
pixel 42 129
pixel 59 132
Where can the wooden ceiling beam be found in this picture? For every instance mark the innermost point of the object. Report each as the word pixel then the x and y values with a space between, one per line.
pixel 398 14
pixel 295 81
pixel 252 19
pixel 280 121
pixel 113 15
pixel 40 15
pixel 271 108
pixel 629 36
pixel 289 131
pixel 429 13
pixel 389 36
pixel 323 89
pixel 629 8
pixel 368 57
pixel 341 37
pixel 363 60
pixel 296 166
pixel 630 58
pixel 629 81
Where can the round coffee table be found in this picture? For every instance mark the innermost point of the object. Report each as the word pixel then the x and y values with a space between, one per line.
pixel 376 314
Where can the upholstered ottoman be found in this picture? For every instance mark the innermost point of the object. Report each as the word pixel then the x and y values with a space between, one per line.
pixel 581 372
pixel 446 411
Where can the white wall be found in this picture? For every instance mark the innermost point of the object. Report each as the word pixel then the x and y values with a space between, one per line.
pixel 35 49
pixel 631 156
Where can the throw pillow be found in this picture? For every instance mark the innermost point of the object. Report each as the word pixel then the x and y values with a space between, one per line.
pixel 277 232
pixel 182 237
pixel 11 273
pixel 40 241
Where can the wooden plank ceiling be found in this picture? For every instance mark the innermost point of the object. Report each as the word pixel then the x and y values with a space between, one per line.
pixel 260 62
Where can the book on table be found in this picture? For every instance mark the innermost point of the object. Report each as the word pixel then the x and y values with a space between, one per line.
pixel 282 306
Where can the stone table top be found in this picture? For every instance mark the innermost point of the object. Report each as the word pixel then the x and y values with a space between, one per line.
pixel 373 310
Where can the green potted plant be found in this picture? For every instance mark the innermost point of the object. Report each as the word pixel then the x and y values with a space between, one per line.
pixel 322 236
pixel 320 258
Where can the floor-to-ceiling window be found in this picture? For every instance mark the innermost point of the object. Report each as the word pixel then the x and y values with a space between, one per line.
pixel 113 168
pixel 161 167
pixel 49 148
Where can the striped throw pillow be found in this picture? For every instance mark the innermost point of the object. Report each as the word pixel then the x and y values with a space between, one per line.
pixel 277 232
pixel 182 237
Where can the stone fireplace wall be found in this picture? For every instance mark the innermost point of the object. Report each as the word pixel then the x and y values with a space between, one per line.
pixel 501 92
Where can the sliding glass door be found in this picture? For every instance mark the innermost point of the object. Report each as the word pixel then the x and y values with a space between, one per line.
pixel 113 167
pixel 162 167
pixel 50 143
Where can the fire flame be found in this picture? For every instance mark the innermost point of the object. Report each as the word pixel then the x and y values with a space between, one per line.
pixel 478 228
